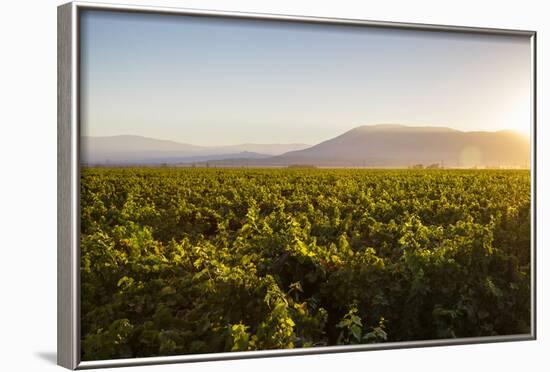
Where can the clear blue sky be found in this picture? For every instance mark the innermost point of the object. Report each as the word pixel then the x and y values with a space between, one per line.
pixel 212 81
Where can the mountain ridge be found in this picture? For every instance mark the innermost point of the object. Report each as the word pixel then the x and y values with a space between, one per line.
pixel 379 145
pixel 401 146
pixel 135 149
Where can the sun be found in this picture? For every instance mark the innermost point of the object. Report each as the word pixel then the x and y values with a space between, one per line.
pixel 518 118
pixel 523 129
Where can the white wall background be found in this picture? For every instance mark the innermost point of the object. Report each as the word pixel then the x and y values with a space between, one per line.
pixel 28 184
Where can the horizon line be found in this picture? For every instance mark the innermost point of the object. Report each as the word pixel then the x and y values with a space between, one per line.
pixel 308 144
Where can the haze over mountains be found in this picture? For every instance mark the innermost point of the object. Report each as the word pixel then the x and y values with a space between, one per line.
pixel 396 145
pixel 384 145
pixel 135 150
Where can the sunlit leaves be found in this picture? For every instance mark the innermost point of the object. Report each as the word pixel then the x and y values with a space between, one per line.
pixel 177 261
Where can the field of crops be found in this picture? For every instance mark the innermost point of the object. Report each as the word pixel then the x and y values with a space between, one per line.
pixel 180 261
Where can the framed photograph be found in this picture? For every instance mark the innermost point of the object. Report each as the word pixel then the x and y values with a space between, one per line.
pixel 235 185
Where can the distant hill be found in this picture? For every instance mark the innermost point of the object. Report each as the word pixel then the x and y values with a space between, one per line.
pixel 383 145
pixel 402 146
pixel 174 159
pixel 129 150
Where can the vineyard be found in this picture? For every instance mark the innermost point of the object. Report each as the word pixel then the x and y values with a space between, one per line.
pixel 182 261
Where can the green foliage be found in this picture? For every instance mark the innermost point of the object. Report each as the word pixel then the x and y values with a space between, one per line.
pixel 352 326
pixel 240 338
pixel 183 261
pixel 352 329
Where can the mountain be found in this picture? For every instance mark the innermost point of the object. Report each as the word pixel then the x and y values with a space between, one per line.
pixel 268 149
pixel 182 160
pixel 401 146
pixel 129 150
pixel 383 145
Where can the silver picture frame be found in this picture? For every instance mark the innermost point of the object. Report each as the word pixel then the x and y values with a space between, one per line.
pixel 68 184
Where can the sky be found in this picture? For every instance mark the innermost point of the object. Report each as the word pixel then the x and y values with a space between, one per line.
pixel 217 81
